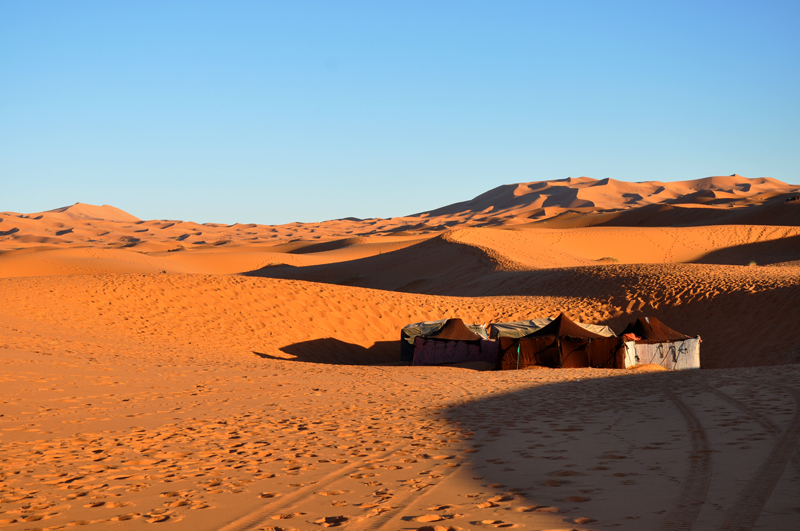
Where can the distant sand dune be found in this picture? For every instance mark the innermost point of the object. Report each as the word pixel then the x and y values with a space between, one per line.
pixel 558 203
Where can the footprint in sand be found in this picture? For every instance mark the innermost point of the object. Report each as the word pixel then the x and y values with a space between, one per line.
pixel 495 523
pixel 178 503
pixel 429 518
pixel 577 499
pixel 95 504
pixel 125 517
pixel 286 516
pixel 332 521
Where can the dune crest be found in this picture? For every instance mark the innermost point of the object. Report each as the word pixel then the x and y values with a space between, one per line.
pixel 86 211
pixel 566 202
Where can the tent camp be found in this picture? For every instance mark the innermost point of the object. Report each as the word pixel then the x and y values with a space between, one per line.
pixel 561 343
pixel 449 342
pixel 525 328
pixel 649 341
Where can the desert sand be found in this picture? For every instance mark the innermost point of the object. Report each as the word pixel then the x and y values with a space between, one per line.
pixel 246 377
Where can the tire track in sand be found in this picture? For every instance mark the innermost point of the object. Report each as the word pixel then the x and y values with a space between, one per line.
pixel 380 521
pixel 693 493
pixel 748 507
pixel 766 423
pixel 260 516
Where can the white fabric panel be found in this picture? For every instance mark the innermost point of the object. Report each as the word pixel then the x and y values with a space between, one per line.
pixel 673 355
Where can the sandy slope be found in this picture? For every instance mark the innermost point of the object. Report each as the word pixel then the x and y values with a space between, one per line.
pixel 150 258
pixel 145 381
pixel 468 255
pixel 405 261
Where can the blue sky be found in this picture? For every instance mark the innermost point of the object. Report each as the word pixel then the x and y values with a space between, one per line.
pixel 272 112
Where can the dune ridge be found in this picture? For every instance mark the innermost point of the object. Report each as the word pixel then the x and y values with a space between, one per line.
pixel 507 205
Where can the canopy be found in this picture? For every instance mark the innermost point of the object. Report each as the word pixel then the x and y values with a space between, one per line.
pixel 563 326
pixel 455 330
pixel 523 328
pixel 431 328
pixel 651 329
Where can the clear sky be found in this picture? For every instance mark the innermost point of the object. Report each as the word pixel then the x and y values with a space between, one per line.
pixel 272 112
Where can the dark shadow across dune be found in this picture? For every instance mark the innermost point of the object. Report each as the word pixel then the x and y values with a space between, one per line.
pixel 638 451
pixel 760 253
pixel 436 261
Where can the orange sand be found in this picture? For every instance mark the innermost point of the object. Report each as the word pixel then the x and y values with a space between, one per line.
pixel 250 381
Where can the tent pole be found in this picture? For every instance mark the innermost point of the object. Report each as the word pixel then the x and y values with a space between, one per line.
pixel 558 345
pixel 518 347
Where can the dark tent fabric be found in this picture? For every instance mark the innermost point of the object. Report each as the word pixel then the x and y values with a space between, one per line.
pixel 525 353
pixel 651 329
pixel 453 343
pixel 562 343
pixel 563 326
pixel 406 349
pixel 554 352
pixel 455 330
pixel 607 353
pixel 434 351
pixel 410 332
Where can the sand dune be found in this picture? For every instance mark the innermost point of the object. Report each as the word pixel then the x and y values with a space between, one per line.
pixel 156 258
pixel 507 205
pixel 239 315
pixel 467 261
pixel 81 211
pixel 544 199
pixel 246 377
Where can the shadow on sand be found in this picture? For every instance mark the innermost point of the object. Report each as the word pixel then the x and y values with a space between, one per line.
pixel 636 451
pixel 333 351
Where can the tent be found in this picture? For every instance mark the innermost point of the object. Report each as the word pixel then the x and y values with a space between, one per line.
pixel 425 329
pixel 649 341
pixel 524 328
pixel 453 342
pixel 561 343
